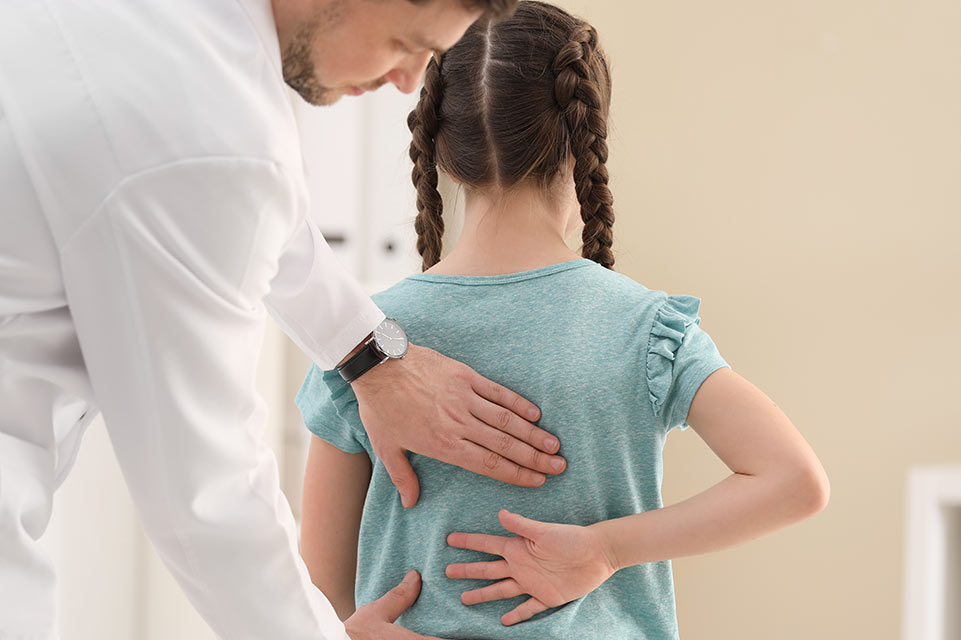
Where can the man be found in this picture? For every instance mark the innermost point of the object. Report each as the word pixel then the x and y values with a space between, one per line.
pixel 153 208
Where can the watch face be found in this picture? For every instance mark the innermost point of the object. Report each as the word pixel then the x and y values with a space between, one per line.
pixel 391 338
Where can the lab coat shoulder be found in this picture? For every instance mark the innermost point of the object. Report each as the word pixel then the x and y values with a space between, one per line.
pixel 114 90
pixel 222 223
pixel 175 79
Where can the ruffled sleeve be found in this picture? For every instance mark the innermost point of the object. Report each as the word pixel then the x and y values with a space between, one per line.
pixel 680 356
pixel 329 409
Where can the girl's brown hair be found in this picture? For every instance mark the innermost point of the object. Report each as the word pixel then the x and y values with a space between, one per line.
pixel 511 102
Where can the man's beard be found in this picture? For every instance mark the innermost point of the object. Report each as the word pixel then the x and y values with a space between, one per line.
pixel 301 76
pixel 298 68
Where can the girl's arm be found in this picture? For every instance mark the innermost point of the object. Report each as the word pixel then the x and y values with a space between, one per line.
pixel 777 480
pixel 335 485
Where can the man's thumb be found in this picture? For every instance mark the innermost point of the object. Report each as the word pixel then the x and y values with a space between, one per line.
pixel 396 601
pixel 403 476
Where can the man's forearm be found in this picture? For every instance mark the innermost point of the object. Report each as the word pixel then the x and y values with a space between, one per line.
pixel 738 509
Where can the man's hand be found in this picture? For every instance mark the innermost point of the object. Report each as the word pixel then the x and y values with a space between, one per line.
pixel 440 408
pixel 375 621
pixel 553 563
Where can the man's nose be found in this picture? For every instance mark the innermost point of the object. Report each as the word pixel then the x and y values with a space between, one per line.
pixel 406 76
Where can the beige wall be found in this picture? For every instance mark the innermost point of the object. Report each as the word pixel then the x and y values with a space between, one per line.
pixel 796 165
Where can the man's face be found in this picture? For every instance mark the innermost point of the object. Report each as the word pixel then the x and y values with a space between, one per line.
pixel 332 48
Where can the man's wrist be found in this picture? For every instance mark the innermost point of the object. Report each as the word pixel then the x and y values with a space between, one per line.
pixel 353 352
pixel 374 377
pixel 387 342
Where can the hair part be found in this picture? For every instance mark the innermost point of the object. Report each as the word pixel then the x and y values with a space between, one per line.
pixel 511 103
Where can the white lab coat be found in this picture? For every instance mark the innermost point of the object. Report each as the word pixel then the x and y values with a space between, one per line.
pixel 152 208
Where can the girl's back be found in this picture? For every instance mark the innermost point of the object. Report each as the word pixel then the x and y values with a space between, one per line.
pixel 613 367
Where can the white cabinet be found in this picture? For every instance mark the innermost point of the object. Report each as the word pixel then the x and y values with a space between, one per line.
pixel 932 572
pixel 358 173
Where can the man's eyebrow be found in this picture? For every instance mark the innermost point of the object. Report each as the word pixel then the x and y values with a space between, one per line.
pixel 426 43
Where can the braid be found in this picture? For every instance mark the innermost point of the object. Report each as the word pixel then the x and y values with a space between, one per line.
pixel 579 96
pixel 423 124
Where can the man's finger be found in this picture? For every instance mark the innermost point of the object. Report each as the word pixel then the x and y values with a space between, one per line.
pixel 485 462
pixel 478 570
pixel 494 545
pixel 402 475
pixel 505 398
pixel 505 422
pixel 517 451
pixel 524 611
pixel 497 591
pixel 396 601
pixel 374 621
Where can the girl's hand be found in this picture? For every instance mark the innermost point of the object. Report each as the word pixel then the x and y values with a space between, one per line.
pixel 553 563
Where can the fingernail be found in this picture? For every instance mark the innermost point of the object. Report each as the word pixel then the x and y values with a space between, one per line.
pixel 410 577
pixel 532 413
pixel 551 443
pixel 557 463
pixel 539 479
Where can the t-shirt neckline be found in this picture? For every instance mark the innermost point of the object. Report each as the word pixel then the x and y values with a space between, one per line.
pixel 540 272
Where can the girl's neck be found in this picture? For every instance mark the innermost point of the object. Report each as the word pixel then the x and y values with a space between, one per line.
pixel 512 232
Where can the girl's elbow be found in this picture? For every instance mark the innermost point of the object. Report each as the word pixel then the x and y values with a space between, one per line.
pixel 813 489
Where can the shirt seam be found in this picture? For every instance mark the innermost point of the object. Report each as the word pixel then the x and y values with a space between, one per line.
pixel 507 278
pixel 158 168
pixel 82 76
pixel 253 24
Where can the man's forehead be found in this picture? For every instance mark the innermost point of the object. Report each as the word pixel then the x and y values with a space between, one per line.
pixel 427 30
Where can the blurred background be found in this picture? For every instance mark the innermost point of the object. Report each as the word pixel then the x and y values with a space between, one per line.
pixel 797 165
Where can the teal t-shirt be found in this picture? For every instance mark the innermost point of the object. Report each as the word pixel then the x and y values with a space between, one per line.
pixel 613 367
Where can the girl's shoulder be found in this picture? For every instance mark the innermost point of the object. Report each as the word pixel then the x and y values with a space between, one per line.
pixel 581 285
pixel 617 291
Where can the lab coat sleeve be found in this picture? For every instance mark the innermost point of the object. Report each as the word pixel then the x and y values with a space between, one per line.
pixel 166 284
pixel 315 301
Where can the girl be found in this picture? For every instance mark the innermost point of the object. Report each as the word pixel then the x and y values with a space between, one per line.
pixel 516 113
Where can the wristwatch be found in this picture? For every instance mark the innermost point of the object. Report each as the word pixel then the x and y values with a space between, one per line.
pixel 389 340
